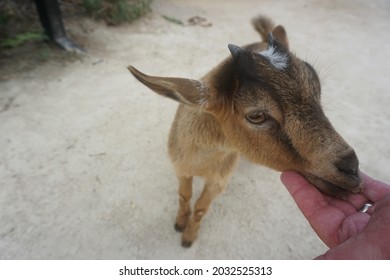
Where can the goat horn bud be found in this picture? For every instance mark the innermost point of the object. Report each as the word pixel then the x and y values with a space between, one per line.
pixel 234 50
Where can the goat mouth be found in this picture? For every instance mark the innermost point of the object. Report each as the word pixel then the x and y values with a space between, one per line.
pixel 338 191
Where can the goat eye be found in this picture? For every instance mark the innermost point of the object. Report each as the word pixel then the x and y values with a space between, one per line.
pixel 257 117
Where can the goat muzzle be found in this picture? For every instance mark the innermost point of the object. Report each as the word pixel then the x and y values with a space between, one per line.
pixel 343 177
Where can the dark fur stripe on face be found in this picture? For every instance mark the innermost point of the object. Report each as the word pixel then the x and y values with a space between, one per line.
pixel 286 140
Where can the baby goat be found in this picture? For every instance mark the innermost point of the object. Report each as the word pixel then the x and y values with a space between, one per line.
pixel 261 102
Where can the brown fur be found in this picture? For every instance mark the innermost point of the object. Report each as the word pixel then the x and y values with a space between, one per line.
pixel 248 106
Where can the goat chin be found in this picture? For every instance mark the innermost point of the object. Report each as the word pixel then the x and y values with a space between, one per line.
pixel 338 191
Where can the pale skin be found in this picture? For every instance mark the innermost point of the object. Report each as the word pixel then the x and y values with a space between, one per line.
pixel 349 233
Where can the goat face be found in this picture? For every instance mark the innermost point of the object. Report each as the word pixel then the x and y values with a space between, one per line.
pixel 274 117
pixel 267 103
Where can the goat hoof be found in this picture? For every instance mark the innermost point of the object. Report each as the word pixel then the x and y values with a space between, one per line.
pixel 186 243
pixel 179 228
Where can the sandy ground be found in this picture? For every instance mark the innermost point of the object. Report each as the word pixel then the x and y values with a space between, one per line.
pixel 84 171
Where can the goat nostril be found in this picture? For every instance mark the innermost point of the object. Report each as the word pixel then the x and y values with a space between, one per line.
pixel 348 164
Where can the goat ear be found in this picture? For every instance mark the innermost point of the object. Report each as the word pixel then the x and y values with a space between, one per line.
pixel 190 92
pixel 279 35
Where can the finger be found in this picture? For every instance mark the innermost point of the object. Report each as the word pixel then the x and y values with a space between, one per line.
pixel 306 196
pixel 357 200
pixel 352 225
pixel 349 207
pixel 374 190
pixel 309 199
pixel 324 218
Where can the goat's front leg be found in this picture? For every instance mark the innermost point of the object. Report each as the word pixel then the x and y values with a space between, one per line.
pixel 210 191
pixel 185 193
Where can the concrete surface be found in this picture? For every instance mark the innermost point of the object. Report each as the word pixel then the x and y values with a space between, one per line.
pixel 83 167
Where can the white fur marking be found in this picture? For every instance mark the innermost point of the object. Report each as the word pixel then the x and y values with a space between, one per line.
pixel 277 59
pixel 202 91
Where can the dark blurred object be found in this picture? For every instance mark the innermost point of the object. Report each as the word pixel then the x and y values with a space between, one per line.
pixel 50 16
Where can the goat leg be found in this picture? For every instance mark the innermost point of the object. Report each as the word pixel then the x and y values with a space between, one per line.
pixel 185 193
pixel 210 191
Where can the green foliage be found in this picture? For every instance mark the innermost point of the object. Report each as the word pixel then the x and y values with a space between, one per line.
pixel 23 38
pixel 3 18
pixel 173 20
pixel 43 54
pixel 92 7
pixel 115 12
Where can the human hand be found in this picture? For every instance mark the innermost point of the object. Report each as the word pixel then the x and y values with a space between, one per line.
pixel 349 233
